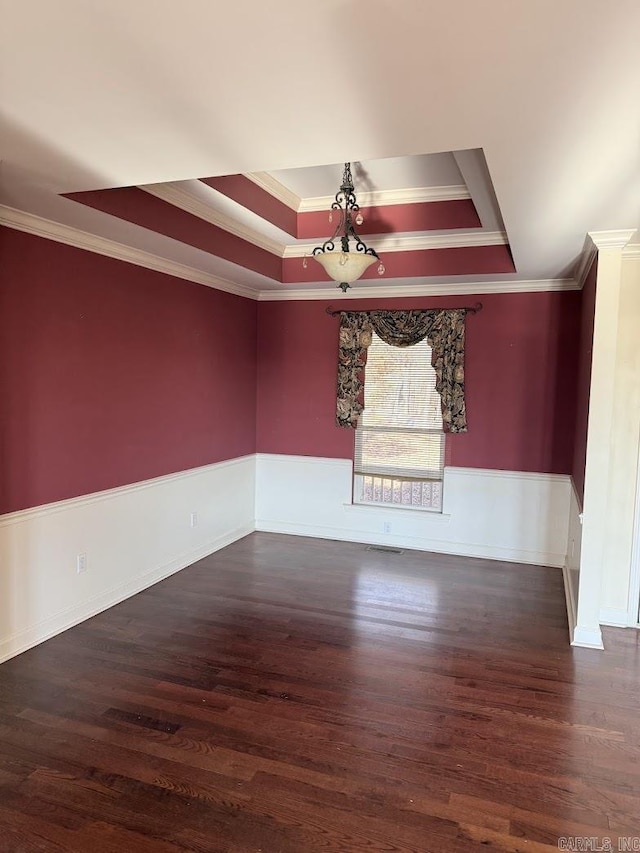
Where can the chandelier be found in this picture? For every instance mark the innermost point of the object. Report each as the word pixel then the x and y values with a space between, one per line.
pixel 350 261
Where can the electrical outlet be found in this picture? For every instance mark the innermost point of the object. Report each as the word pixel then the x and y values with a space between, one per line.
pixel 193 520
pixel 81 564
pixel 386 527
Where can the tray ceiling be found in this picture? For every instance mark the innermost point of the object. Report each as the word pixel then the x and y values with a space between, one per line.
pixel 141 95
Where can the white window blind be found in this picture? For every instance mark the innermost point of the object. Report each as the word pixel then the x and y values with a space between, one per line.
pixel 400 432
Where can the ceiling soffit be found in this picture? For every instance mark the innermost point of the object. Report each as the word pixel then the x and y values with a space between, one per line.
pixel 423 232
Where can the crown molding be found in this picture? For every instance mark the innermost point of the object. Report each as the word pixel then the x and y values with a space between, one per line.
pixel 377 198
pixel 383 291
pixel 185 200
pixel 586 259
pixel 272 186
pixel 384 198
pixel 39 226
pixel 631 252
pixel 611 239
pixel 179 197
pixel 597 240
pixel 414 242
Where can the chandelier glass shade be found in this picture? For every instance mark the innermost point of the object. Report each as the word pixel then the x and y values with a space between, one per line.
pixel 346 263
pixel 345 266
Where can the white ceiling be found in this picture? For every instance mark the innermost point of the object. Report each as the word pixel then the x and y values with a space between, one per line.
pixel 122 93
pixel 393 173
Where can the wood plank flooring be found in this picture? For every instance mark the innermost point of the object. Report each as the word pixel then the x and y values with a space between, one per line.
pixel 291 695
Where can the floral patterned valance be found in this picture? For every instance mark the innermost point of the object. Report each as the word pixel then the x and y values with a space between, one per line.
pixel 445 332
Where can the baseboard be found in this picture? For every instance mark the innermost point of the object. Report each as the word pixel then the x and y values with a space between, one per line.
pixel 59 622
pixel 587 638
pixel 485 552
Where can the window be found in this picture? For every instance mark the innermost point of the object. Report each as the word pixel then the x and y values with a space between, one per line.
pixel 399 455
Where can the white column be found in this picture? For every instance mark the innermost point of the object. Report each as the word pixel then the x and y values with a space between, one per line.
pixel 623 454
pixel 633 612
pixel 599 434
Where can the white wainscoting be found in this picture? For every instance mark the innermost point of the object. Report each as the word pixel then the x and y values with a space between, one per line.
pixel 132 536
pixel 500 515
pixel 136 535
pixel 571 568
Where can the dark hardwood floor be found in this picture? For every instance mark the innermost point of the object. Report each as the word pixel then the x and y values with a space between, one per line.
pixel 291 695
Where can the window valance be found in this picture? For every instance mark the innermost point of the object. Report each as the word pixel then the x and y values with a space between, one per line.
pixel 445 332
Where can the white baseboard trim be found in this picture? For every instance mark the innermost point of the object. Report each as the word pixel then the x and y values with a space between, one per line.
pixel 59 622
pixel 587 638
pixel 484 552
pixel 572 604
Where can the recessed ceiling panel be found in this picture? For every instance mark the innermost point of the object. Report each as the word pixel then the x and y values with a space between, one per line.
pixel 394 173
pixel 420 223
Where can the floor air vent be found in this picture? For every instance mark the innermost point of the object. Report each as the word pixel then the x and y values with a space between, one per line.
pixel 386 549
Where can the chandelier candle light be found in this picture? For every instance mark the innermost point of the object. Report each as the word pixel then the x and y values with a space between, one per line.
pixel 345 265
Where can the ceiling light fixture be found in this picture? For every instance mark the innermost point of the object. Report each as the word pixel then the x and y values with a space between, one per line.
pixel 345 265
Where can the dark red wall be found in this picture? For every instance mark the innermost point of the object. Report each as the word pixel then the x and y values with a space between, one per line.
pixel 111 373
pixel 521 370
pixel 583 382
pixel 297 358
pixel 135 205
pixel 250 195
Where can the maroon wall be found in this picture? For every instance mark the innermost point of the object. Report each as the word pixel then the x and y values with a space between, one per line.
pixel 250 195
pixel 111 373
pixel 135 205
pixel 583 382
pixel 520 380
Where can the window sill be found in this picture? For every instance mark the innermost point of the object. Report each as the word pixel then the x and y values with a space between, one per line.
pixel 401 512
